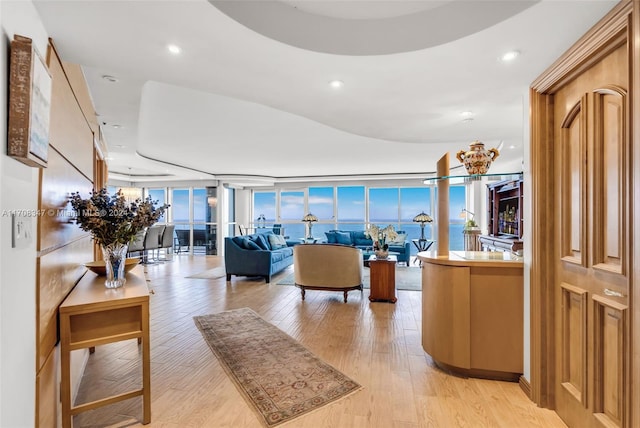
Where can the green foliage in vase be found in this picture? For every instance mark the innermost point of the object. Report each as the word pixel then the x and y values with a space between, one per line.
pixel 469 224
pixel 111 219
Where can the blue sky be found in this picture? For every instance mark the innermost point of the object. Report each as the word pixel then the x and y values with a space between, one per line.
pixel 383 203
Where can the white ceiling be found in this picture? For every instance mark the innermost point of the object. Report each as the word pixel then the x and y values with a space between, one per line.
pixel 241 103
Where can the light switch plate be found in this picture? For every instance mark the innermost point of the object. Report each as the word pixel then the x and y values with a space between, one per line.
pixel 21 231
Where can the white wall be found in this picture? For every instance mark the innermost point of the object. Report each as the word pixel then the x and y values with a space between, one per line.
pixel 18 191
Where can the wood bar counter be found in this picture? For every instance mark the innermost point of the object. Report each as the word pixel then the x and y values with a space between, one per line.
pixel 472 312
pixel 93 315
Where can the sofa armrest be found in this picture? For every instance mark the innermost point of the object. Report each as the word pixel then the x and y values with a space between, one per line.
pixel 242 261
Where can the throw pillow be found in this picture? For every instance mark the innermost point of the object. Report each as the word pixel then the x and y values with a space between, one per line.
pixel 331 237
pixel 343 238
pixel 277 241
pixel 239 240
pixel 399 240
pixel 262 241
pixel 250 245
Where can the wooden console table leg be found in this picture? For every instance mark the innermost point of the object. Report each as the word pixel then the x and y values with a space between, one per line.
pixel 65 373
pixel 146 366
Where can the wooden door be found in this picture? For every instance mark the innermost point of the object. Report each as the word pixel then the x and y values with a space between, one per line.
pixel 591 153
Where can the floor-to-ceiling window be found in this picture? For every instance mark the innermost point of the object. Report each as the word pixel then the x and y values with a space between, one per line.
pixel 292 203
pixel 204 226
pixel 352 207
pixel 457 201
pixel 264 206
pixel 383 206
pixel 351 212
pixel 322 205
pixel 180 215
pixel 413 201
pixel 159 198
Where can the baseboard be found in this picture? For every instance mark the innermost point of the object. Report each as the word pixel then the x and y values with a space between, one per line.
pixel 525 386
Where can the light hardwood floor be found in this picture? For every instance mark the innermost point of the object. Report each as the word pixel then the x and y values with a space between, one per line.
pixel 376 344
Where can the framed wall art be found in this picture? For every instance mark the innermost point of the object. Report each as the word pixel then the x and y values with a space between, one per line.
pixel 29 104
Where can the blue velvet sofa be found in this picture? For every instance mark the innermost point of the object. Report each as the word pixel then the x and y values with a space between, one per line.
pixel 358 239
pixel 261 254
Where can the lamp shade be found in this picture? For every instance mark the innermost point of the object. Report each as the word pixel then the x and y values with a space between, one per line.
pixel 423 218
pixel 309 218
pixel 464 212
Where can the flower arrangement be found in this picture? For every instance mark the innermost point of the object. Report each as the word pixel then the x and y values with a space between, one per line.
pixel 111 219
pixel 379 236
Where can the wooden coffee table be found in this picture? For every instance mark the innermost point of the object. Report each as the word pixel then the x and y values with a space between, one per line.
pixel 383 279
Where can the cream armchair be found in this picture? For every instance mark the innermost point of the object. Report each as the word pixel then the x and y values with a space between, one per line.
pixel 327 267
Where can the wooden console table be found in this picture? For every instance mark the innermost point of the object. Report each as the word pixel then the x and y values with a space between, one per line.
pixel 383 279
pixel 93 315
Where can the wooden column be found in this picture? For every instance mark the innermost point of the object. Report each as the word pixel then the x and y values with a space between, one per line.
pixel 443 206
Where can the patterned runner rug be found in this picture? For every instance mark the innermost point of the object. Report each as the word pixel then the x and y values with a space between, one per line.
pixel 279 377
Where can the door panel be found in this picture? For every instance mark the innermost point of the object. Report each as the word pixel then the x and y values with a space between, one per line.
pixel 609 178
pixel 573 155
pixel 574 341
pixel 610 348
pixel 591 284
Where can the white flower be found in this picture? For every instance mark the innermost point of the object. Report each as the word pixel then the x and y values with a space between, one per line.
pixel 379 236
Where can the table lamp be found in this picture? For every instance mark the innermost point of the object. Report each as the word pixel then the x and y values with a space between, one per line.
pixel 309 219
pixel 422 218
pixel 469 223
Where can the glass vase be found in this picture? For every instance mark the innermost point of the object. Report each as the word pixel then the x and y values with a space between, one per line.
pixel 114 256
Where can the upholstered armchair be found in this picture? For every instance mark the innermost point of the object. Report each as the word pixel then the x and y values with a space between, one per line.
pixel 328 267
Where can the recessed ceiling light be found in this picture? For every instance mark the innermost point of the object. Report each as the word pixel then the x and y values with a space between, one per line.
pixel 509 56
pixel 110 79
pixel 174 49
pixel 512 146
pixel 336 84
pixel 467 113
pixel 115 125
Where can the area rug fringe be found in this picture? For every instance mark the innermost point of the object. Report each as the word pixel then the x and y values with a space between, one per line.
pixel 271 335
pixel 311 411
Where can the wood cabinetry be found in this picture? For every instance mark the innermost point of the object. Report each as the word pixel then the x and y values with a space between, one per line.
pixel 505 222
pixel 472 313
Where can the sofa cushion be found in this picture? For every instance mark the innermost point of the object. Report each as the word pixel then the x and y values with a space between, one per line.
pixel 331 237
pixel 281 254
pixel 343 238
pixel 251 245
pixel 277 242
pixel 262 241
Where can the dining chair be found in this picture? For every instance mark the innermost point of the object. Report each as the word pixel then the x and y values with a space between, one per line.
pixel 166 240
pixel 151 242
